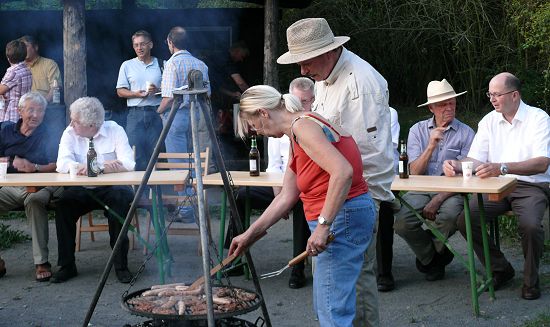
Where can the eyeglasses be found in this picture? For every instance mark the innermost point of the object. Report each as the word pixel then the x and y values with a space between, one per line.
pixel 140 45
pixel 497 95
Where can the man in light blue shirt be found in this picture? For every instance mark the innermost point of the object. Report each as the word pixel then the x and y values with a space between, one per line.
pixel 431 142
pixel 138 80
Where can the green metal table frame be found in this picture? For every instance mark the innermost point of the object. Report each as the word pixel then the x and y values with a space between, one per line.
pixel 484 282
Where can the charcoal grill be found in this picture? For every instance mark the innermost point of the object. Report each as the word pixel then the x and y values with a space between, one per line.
pixel 224 322
pixel 248 306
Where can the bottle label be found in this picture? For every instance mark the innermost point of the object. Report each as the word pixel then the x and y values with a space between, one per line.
pixel 56 97
pixel 401 167
pixel 94 166
pixel 253 166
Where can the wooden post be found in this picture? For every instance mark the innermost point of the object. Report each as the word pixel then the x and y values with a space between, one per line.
pixel 271 27
pixel 74 51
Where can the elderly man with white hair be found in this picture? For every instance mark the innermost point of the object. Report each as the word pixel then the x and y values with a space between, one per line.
pixel 113 155
pixel 28 148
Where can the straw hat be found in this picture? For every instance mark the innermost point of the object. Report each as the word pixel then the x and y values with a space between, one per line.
pixel 309 38
pixel 439 91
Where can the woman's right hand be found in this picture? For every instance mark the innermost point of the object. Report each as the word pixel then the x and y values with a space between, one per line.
pixel 239 244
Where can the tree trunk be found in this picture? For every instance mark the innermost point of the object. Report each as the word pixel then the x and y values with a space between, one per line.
pixel 271 27
pixel 74 51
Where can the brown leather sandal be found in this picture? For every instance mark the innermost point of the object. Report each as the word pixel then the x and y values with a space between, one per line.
pixel 43 272
pixel 2 268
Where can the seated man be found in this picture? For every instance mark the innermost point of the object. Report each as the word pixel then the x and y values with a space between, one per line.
pixel 261 197
pixel 113 155
pixel 430 142
pixel 27 147
pixel 512 140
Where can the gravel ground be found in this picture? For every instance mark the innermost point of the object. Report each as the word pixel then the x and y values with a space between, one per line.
pixel 415 302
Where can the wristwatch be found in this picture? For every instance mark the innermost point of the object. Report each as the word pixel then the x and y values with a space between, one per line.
pixel 36 167
pixel 323 221
pixel 503 169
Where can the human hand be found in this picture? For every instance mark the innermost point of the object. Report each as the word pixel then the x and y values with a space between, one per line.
pixel 82 170
pixel 113 166
pixel 451 167
pixel 152 89
pixel 430 210
pixel 141 94
pixel 436 135
pixel 4 159
pixel 317 242
pixel 488 170
pixel 23 165
pixel 239 244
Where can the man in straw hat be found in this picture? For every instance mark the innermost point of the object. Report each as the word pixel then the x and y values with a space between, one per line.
pixel 512 140
pixel 432 141
pixel 349 92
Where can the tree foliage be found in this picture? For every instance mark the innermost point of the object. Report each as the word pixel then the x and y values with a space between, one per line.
pixel 465 41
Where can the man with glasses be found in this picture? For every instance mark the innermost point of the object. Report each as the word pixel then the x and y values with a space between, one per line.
pixel 138 80
pixel 513 140
pixel 432 141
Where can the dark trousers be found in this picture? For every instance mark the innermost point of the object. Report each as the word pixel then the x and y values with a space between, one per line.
pixel 260 198
pixel 76 201
pixel 528 201
pixel 384 239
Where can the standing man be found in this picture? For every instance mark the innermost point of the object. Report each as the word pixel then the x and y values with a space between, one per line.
pixel 352 94
pixel 175 74
pixel 138 80
pixel 113 155
pixel 45 72
pixel 432 141
pixel 513 140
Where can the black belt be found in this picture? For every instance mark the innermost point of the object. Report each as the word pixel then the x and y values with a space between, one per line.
pixel 144 107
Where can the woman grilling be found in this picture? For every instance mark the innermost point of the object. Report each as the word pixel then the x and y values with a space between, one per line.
pixel 325 172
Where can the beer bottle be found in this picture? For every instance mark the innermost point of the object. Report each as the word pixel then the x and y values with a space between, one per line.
pixel 91 162
pixel 254 158
pixel 403 161
pixel 56 94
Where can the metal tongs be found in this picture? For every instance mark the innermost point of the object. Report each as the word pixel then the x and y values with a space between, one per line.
pixel 301 257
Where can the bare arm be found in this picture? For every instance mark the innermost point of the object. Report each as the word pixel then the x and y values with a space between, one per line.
pixel 239 80
pixel 532 166
pixel 419 165
pixel 280 205
pixel 125 93
pixel 4 89
pixel 165 103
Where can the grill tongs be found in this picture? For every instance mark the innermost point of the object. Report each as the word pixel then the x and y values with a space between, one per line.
pixel 301 257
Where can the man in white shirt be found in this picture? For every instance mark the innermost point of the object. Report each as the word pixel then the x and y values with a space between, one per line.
pixel 513 140
pixel 113 155
pixel 138 80
pixel 350 93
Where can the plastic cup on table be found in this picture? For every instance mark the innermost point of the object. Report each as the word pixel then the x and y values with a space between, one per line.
pixel 3 170
pixel 467 169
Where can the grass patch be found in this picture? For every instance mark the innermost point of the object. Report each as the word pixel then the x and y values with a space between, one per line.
pixel 10 237
pixel 543 320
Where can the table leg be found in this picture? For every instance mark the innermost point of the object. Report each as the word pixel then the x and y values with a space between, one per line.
pixel 471 259
pixel 488 270
pixel 156 226
pixel 222 231
pixel 247 211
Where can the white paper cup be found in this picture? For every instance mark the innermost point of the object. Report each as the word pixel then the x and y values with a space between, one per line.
pixel 73 169
pixel 3 170
pixel 467 169
pixel 148 85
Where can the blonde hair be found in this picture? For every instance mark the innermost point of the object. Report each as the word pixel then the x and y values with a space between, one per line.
pixel 266 97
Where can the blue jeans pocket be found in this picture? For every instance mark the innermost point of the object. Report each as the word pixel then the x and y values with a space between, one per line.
pixel 358 224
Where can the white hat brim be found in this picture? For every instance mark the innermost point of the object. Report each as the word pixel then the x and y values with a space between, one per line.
pixel 289 58
pixel 440 98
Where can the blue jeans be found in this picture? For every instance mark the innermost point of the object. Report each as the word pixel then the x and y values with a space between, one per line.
pixel 338 267
pixel 143 127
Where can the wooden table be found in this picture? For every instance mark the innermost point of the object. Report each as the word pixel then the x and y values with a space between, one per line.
pixel 496 189
pixel 157 178
pixel 240 178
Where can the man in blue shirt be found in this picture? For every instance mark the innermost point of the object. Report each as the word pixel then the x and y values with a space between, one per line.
pixel 27 148
pixel 431 142
pixel 138 80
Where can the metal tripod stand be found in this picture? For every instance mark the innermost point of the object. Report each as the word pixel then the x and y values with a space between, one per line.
pixel 197 93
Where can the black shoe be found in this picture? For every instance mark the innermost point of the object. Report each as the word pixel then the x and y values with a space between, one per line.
pixel 422 268
pixel 297 278
pixel 234 270
pixel 385 283
pixel 436 272
pixel 445 258
pixel 530 293
pixel 64 273
pixel 503 277
pixel 124 275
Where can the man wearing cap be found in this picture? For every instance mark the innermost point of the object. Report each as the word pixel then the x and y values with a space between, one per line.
pixel 512 140
pixel 350 93
pixel 432 141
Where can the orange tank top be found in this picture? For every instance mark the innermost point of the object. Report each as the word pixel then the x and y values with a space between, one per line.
pixel 312 180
